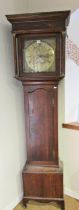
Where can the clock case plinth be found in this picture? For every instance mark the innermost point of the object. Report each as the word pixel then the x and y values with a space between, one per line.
pixel 42 176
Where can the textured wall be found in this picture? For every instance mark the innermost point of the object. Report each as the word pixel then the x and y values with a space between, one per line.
pixel 72 51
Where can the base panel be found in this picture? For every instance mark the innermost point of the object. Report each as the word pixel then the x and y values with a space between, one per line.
pixel 43 184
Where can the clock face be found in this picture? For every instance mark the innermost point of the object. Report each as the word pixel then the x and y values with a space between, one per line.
pixel 39 55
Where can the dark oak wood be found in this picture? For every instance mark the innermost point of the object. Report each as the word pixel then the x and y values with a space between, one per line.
pixel 72 125
pixel 39 22
pixel 39 25
pixel 41 122
pixel 42 176
pixel 43 183
pixel 49 182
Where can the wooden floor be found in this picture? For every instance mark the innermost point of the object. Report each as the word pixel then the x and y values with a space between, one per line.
pixel 70 204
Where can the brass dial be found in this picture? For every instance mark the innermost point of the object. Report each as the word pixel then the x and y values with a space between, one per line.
pixel 39 56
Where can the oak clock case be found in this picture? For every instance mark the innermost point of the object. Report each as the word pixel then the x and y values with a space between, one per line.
pixel 39 56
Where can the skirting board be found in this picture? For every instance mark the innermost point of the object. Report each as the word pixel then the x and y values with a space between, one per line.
pixel 14 203
pixel 19 198
pixel 71 193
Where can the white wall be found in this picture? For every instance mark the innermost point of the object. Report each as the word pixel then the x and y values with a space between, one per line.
pixel 71 162
pixel 71 137
pixel 73 31
pixel 12 135
pixel 72 73
pixel 12 132
pixel 71 91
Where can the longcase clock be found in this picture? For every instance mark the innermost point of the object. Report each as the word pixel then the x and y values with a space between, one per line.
pixel 39 56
